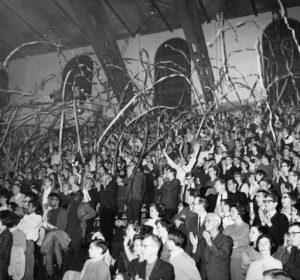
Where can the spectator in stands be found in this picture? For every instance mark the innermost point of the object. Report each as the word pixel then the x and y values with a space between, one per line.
pixel 293 264
pixel 266 248
pixel 6 241
pixel 153 267
pixel 213 251
pixel 184 265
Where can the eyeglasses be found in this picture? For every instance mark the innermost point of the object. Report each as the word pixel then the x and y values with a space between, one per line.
pixel 293 233
pixel 268 201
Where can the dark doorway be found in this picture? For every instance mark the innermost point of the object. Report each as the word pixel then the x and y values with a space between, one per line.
pixel 173 57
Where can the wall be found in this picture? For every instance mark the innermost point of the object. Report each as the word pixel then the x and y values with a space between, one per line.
pixel 27 73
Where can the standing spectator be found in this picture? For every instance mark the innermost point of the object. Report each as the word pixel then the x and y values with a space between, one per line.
pixel 239 232
pixel 153 267
pixel 276 223
pixel 170 192
pixel 293 264
pixel 30 224
pixel 266 248
pixel 213 251
pixel 184 265
pixel 16 267
pixel 135 188
pixel 78 213
pixel 108 206
pixel 6 241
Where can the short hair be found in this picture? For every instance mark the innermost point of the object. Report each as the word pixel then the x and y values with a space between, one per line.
pixel 267 156
pixel 203 201
pixel 215 217
pixel 8 218
pixel 287 162
pixel 5 194
pixel 272 244
pixel 55 195
pixel 264 192
pixel 155 239
pixel 32 196
pixel 260 172
pixel 177 237
pixel 99 243
pixel 277 274
pixel 274 196
pixel 173 171
pixel 240 209
pixel 37 205
pixel 214 168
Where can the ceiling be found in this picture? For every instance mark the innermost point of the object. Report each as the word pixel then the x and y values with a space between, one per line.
pixel 23 21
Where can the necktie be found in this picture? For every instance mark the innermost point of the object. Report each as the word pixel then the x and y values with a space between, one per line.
pixel 199 223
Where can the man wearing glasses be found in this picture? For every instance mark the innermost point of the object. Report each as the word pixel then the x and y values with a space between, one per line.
pixel 292 267
pixel 276 223
pixel 153 267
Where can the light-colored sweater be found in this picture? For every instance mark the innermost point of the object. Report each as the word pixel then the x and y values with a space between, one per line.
pixel 184 267
pixel 256 269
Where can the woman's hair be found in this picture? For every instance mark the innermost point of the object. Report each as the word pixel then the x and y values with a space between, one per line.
pixel 297 207
pixel 159 208
pixel 272 244
pixel 99 243
pixel 8 218
pixel 240 209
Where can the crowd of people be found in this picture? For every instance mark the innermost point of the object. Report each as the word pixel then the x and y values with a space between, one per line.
pixel 220 201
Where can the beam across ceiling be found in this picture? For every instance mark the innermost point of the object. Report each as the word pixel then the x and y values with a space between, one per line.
pixel 95 23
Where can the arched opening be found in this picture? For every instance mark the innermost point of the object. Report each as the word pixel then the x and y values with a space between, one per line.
pixel 173 57
pixel 282 62
pixel 80 75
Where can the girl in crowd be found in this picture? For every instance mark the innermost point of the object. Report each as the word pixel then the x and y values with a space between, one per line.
pixel 265 246
pixel 287 204
pixel 239 232
pixel 156 212
pixel 295 215
pixel 250 253
pixel 95 268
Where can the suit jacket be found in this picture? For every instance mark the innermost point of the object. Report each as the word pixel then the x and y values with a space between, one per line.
pixel 161 271
pixel 215 260
pixel 280 225
pixel 212 199
pixel 170 192
pixel 109 196
pixel 95 197
pixel 6 241
pixel 192 225
pixel 61 220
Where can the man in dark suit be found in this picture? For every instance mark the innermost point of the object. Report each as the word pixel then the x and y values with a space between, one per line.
pixel 213 251
pixel 170 193
pixel 153 268
pixel 194 224
pixel 6 241
pixel 222 193
pixel 108 206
